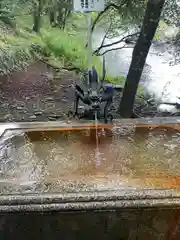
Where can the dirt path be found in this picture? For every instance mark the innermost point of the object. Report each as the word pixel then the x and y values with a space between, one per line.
pixel 32 95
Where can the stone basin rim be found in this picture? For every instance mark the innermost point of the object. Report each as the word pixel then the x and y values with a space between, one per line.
pixel 172 203
pixel 108 195
pixel 89 200
pixel 166 122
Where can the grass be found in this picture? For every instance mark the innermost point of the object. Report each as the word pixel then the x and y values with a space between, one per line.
pixel 15 53
pixel 62 48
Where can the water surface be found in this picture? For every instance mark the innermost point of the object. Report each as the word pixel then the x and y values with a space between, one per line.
pixel 71 162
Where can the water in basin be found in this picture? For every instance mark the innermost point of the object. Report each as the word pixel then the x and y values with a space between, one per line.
pixel 54 161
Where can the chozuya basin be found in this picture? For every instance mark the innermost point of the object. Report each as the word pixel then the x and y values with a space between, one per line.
pixel 128 169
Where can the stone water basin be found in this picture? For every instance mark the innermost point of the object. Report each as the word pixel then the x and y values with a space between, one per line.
pixel 81 158
pixel 70 180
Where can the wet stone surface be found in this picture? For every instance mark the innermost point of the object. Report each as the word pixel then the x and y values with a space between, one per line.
pixel 73 162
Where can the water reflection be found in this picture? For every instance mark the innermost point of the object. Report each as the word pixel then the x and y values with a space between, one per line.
pixel 56 161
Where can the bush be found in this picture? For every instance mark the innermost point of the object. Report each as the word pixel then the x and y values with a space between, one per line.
pixel 15 54
pixel 71 50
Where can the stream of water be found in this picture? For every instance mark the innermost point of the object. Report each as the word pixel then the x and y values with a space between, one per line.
pixel 97 152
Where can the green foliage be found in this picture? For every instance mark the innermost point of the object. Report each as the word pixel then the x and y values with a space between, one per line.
pixel 171 12
pixel 14 55
pixel 68 46
pixel 69 49
pixel 62 48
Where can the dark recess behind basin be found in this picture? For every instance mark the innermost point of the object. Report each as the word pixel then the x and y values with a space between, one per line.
pixel 141 224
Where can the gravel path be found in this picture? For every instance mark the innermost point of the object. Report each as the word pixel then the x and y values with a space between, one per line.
pixel 33 94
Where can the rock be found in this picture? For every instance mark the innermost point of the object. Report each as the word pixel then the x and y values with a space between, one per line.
pixel 38 113
pixel 32 117
pixel 13 106
pixel 19 108
pixel 5 105
pixel 81 107
pixel 51 118
pixel 49 99
pixel 20 104
pixel 54 116
pixel 8 116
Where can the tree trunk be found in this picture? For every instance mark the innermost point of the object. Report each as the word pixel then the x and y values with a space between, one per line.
pixel 37 16
pixel 140 52
pixel 52 17
pixel 1 4
pixel 60 12
pixel 65 17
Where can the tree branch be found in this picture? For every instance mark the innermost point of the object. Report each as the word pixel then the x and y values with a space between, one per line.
pixel 106 33
pixel 96 52
pixel 57 69
pixel 104 38
pixel 112 49
pixel 111 5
